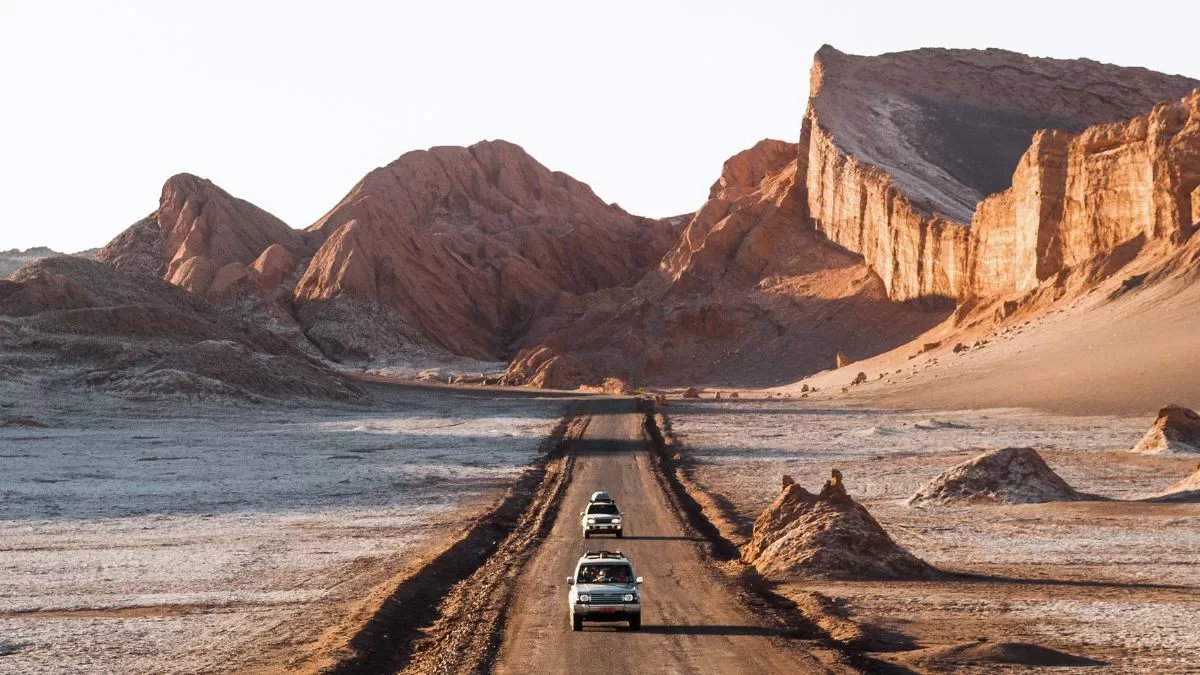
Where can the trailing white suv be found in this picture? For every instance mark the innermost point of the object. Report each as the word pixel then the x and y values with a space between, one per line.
pixel 601 518
pixel 604 588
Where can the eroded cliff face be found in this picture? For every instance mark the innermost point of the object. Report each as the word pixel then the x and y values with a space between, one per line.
pixel 902 147
pixel 460 248
pixel 1076 196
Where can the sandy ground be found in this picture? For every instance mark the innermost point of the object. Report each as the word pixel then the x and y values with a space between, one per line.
pixel 152 538
pixel 1113 581
pixel 1092 355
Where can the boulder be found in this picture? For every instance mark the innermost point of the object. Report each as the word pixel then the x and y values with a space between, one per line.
pixel 691 392
pixel 826 536
pixel 1175 430
pixel 842 360
pixel 1007 476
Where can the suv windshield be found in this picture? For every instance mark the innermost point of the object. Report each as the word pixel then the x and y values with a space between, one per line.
pixel 605 573
pixel 607 509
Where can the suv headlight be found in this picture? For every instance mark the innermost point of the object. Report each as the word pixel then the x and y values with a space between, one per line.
pixel 591 521
pixel 584 597
pixel 616 520
pixel 628 597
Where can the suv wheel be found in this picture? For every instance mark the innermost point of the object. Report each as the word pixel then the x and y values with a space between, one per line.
pixel 620 533
pixel 577 622
pixel 635 621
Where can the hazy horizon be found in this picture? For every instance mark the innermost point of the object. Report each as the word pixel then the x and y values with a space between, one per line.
pixel 288 105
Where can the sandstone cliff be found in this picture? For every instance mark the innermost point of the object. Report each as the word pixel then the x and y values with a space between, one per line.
pixel 901 147
pixel 1076 196
pixel 460 248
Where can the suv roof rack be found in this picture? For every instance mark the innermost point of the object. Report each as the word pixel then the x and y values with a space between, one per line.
pixel 603 554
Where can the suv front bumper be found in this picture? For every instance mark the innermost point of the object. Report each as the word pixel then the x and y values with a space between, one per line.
pixel 619 612
pixel 601 528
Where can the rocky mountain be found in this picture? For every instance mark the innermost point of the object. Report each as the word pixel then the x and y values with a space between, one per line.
pixel 205 240
pixel 747 296
pixel 461 248
pixel 443 253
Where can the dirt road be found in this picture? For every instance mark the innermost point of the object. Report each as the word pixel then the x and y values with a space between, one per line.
pixel 690 621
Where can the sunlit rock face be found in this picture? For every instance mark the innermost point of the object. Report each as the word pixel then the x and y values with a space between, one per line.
pixel 1076 196
pixel 902 147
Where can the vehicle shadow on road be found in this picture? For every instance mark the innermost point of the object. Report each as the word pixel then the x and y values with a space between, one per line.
pixel 655 537
pixel 711 630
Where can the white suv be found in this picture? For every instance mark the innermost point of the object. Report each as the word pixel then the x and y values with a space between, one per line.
pixel 604 588
pixel 601 518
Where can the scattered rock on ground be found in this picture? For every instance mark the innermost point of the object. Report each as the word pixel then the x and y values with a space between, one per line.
pixel 1007 476
pixel 829 535
pixel 842 360
pixel 1175 430
pixel 691 392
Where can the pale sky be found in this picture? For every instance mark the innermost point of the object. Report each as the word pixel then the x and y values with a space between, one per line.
pixel 288 104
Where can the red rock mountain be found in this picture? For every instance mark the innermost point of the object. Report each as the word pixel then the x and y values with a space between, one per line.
pixel 205 240
pixel 461 248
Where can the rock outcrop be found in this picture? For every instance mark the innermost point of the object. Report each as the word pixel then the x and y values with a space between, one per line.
pixel 202 239
pixel 1176 429
pixel 461 248
pixel 901 147
pixel 544 369
pixel 829 535
pixel 1007 476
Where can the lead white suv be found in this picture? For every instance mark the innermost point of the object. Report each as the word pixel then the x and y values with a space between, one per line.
pixel 604 588
pixel 601 518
